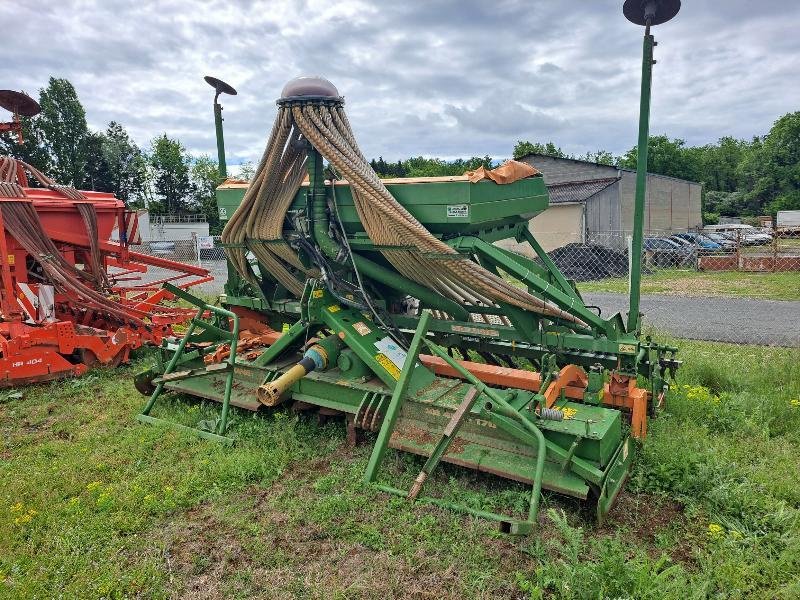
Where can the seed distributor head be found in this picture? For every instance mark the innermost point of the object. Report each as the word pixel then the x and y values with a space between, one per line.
pixel 307 89
pixel 650 12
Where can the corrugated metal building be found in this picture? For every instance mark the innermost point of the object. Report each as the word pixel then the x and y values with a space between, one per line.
pixel 590 202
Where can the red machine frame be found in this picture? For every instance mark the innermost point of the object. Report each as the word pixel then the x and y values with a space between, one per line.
pixel 70 336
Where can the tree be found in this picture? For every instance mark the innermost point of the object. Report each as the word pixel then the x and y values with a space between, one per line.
pixel 170 164
pixel 664 157
pixel 601 157
pixel 524 148
pixel 247 171
pixel 63 126
pixel 126 164
pixel 96 175
pixel 205 179
pixel 32 150
pixel 771 171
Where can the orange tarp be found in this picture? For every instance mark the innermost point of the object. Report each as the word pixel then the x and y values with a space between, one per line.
pixel 508 172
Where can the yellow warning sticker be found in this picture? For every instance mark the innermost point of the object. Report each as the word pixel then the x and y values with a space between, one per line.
pixel 569 412
pixel 11 259
pixel 317 293
pixel 334 308
pixel 285 328
pixel 387 364
pixel 627 348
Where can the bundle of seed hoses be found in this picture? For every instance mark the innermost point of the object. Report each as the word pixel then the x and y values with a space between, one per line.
pixel 258 223
pixel 85 287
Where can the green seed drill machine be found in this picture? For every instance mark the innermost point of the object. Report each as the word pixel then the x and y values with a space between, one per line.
pixel 389 302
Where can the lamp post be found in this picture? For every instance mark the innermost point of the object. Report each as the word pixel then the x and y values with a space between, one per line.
pixel 646 13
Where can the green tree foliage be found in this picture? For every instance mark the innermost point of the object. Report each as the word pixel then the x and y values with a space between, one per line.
pixel 173 187
pixel 664 156
pixel 64 131
pixel 96 174
pixel 739 177
pixel 205 179
pixel 246 171
pixel 523 148
pixel 32 150
pixel 771 171
pixel 420 166
pixel 601 157
pixel 127 166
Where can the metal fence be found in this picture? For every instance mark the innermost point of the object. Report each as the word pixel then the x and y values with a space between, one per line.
pixel 740 289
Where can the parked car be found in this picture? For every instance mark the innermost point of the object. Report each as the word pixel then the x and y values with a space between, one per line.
pixel 747 235
pixel 681 241
pixel 665 253
pixel 728 245
pixel 701 241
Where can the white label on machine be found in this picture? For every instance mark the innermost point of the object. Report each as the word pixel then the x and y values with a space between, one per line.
pixel 205 242
pixel 223 213
pixel 458 211
pixel 392 351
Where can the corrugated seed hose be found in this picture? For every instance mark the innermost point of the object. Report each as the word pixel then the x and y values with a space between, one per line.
pixel 257 224
pixel 22 222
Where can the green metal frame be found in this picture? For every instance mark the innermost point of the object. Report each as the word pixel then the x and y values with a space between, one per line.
pixel 169 374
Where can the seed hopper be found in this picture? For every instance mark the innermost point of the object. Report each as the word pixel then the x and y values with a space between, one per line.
pixel 390 303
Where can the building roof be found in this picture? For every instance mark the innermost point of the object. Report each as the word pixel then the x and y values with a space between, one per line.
pixel 532 156
pixel 578 191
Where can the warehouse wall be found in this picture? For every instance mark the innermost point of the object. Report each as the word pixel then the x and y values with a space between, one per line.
pixel 603 210
pixel 670 205
pixel 559 225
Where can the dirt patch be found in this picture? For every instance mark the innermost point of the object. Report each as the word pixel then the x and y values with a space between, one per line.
pixel 642 517
pixel 200 552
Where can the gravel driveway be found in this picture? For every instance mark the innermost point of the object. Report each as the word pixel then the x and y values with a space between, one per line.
pixel 737 320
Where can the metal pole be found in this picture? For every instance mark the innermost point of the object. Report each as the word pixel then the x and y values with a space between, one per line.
pixel 223 169
pixel 641 182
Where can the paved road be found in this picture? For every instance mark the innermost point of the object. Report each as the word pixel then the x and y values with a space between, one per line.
pixel 736 320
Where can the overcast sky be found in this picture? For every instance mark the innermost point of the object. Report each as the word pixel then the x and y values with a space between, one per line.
pixel 436 78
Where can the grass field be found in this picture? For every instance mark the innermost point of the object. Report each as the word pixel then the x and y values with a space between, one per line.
pixel 94 504
pixel 732 284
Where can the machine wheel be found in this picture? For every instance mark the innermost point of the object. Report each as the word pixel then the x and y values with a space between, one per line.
pixel 87 357
pixel 143 382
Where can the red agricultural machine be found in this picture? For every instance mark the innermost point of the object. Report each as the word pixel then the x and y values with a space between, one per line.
pixel 70 296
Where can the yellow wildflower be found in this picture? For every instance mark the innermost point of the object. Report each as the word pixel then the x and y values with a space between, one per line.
pixel 26 518
pixel 93 485
pixel 795 402
pixel 715 531
pixel 17 507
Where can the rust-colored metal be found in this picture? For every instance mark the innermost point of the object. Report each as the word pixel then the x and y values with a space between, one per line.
pixel 621 392
pixel 569 376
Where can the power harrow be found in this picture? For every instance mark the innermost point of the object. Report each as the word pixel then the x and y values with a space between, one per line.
pixel 388 302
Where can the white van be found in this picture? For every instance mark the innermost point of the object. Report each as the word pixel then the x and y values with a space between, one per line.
pixel 746 234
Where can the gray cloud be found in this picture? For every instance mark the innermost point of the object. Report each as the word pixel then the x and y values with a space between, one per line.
pixel 445 78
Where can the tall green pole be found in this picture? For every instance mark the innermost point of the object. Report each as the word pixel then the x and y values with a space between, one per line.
pixel 223 168
pixel 641 182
